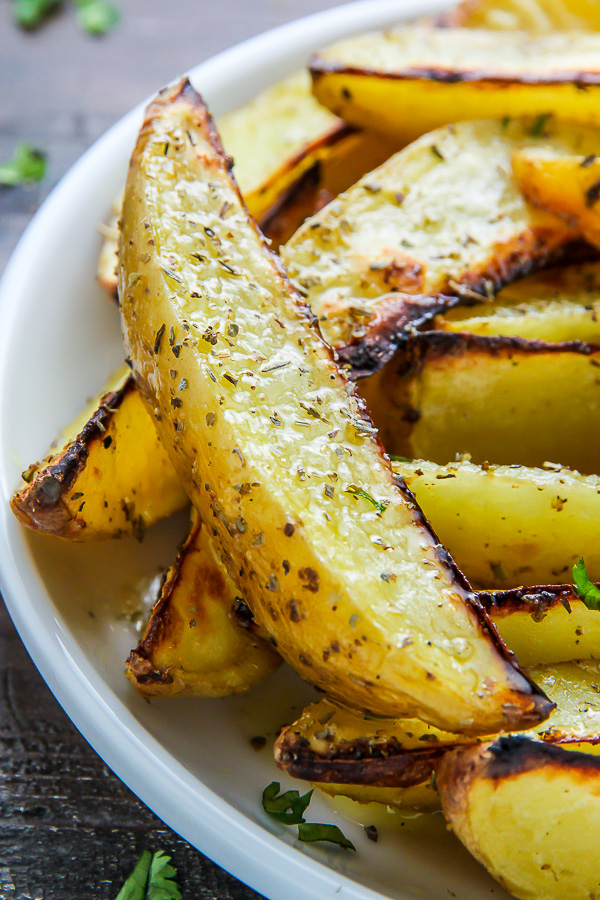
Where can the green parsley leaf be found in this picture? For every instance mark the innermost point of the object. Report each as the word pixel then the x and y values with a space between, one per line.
pixel 152 879
pixel 135 886
pixel 538 126
pixel 358 492
pixel 161 882
pixel 585 588
pixel 288 808
pixel 395 458
pixel 97 16
pixel 30 14
pixel 311 832
pixel 26 166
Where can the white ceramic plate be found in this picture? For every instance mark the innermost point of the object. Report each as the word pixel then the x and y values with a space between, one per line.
pixel 190 761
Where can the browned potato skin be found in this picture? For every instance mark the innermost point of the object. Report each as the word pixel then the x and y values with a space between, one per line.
pixel 94 486
pixel 201 639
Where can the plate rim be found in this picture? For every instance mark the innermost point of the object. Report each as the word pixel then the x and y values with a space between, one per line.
pixel 245 848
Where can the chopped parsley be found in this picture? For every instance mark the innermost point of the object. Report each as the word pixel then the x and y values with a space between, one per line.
pixel 537 129
pixel 27 166
pixel 395 458
pixel 585 588
pixel 152 879
pixel 358 492
pixel 97 17
pixel 289 808
pixel 310 832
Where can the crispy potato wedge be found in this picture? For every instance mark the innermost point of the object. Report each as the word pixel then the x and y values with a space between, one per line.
pixel 542 16
pixel 334 744
pixel 201 639
pixel 542 625
pixel 557 304
pixel 528 811
pixel 408 81
pixel 507 526
pixel 568 185
pixel 279 454
pixel 504 400
pixel 109 477
pixel 442 217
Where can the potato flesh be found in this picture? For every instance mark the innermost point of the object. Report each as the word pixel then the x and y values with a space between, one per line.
pixel 421 798
pixel 543 16
pixel 409 81
pixel 443 212
pixel 568 185
pixel 559 637
pixel 193 644
pixel 560 304
pixel 503 404
pixel 507 526
pixel 287 425
pixel 529 813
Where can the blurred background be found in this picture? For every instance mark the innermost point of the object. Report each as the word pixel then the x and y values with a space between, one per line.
pixel 69 829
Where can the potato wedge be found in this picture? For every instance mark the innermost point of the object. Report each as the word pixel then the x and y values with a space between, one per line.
pixel 411 80
pixel 541 16
pixel 195 642
pixel 510 525
pixel 557 304
pixel 568 185
pixel 442 217
pixel 529 812
pixel 542 625
pixel 280 455
pixel 111 475
pixel 334 744
pixel 504 400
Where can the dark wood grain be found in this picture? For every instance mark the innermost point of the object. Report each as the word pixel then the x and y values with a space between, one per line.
pixel 69 829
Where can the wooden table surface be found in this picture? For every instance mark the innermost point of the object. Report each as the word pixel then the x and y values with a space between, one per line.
pixel 69 829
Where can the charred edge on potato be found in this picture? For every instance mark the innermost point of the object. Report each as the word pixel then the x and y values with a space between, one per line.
pixel 417 349
pixel 537 600
pixel 513 755
pixel 580 80
pixel 41 504
pixel 300 201
pixel 362 761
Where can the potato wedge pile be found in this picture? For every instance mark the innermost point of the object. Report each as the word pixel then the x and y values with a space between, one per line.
pixel 366 352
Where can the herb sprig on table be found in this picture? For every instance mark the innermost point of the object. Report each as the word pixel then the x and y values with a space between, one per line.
pixel 96 17
pixel 152 879
pixel 27 166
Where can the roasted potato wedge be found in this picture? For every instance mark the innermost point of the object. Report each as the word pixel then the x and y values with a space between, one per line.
pixel 542 16
pixel 442 217
pixel 200 639
pixel 529 812
pixel 556 304
pixel 542 625
pixel 334 744
pixel 510 525
pixel 504 400
pixel 408 81
pixel 568 185
pixel 106 272
pixel 280 456
pixel 109 477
